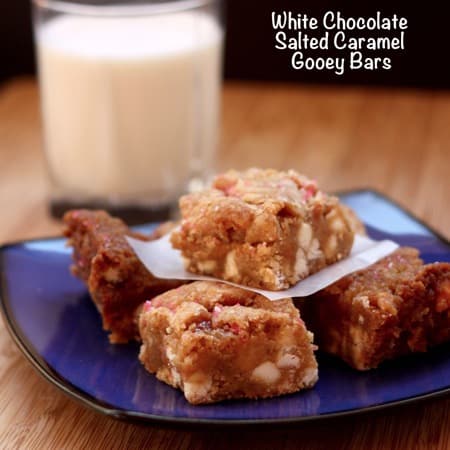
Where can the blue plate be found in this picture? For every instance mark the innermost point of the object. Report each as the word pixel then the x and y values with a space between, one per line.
pixel 51 318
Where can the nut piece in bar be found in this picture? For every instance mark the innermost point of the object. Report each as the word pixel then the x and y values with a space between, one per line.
pixel 262 228
pixel 117 281
pixel 394 307
pixel 216 342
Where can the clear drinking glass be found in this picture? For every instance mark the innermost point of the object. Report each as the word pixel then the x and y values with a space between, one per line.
pixel 130 97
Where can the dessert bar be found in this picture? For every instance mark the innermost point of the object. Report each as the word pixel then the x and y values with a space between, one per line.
pixel 394 307
pixel 262 228
pixel 116 279
pixel 216 342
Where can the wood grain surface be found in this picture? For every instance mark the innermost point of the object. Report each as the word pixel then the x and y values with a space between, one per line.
pixel 397 141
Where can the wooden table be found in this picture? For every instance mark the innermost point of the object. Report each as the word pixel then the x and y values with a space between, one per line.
pixel 397 141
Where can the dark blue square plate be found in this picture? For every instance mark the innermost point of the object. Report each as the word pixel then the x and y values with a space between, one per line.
pixel 52 320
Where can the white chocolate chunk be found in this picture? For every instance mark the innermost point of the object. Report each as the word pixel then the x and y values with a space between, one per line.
pixel 175 376
pixel 310 377
pixel 314 251
pixel 288 361
pixel 170 354
pixel 270 276
pixel 207 266
pixel 335 221
pixel 197 387
pixel 251 197
pixel 337 225
pixel 305 235
pixel 231 269
pixel 364 300
pixel 267 372
pixel 301 264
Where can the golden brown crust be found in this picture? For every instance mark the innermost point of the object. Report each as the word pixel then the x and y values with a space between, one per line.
pixel 217 342
pixel 394 307
pixel 116 279
pixel 262 228
pixel 354 221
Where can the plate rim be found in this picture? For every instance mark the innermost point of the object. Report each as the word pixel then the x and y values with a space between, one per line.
pixel 73 392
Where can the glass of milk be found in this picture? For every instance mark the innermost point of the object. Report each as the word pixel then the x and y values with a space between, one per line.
pixel 130 95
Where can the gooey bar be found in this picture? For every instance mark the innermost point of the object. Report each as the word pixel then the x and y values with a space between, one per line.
pixel 117 281
pixel 394 307
pixel 262 228
pixel 217 342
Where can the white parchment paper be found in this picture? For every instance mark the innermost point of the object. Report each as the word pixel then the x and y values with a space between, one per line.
pixel 163 261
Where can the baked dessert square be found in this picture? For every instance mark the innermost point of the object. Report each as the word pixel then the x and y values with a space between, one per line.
pixel 397 306
pixel 117 281
pixel 215 342
pixel 262 228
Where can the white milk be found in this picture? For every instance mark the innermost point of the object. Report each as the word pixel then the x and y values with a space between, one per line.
pixel 130 105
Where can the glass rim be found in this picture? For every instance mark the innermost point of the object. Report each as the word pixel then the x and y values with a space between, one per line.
pixel 124 9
